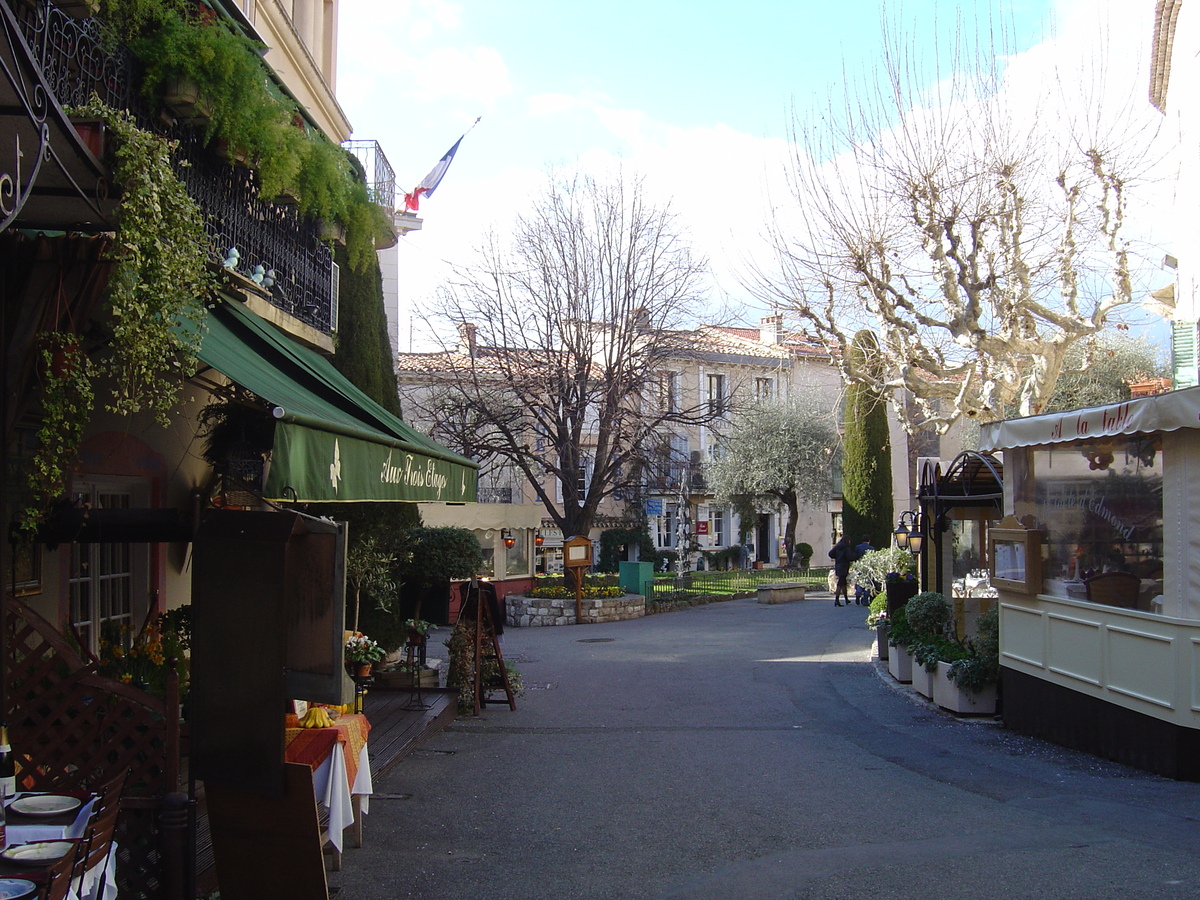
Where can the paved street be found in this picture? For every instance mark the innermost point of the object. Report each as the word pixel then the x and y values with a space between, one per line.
pixel 752 752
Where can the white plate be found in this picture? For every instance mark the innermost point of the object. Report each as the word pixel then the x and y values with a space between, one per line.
pixel 44 805
pixel 12 888
pixel 37 853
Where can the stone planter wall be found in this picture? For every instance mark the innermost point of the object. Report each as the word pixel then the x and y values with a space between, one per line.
pixel 525 611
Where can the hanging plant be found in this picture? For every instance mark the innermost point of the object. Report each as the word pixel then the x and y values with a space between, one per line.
pixel 160 281
pixel 154 312
pixel 248 114
pixel 65 375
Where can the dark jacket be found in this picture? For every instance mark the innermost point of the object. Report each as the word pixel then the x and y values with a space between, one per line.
pixel 842 555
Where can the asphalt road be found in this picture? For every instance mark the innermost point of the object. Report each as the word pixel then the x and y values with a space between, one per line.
pixel 754 752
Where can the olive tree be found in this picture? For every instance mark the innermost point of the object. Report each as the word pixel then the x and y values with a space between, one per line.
pixel 778 452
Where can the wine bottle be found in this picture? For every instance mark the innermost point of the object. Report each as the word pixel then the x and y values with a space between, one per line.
pixel 8 765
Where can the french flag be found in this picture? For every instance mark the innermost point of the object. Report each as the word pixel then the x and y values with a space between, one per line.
pixel 430 182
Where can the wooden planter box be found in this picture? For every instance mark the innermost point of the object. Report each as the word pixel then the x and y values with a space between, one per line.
pixel 182 97
pixel 950 696
pixel 900 665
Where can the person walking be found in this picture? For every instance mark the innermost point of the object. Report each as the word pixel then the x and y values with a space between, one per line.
pixel 842 555
pixel 862 596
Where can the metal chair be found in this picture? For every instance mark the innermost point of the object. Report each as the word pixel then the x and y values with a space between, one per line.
pixel 1114 589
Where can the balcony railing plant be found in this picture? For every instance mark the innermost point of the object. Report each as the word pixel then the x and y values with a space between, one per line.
pixel 310 178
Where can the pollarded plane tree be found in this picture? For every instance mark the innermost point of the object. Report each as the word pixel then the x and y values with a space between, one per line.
pixel 979 231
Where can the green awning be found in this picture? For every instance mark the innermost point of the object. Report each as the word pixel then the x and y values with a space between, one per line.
pixel 333 443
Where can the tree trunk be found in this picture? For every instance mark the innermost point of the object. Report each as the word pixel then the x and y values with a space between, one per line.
pixel 789 534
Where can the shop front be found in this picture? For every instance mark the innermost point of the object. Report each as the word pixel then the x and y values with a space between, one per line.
pixel 1098 573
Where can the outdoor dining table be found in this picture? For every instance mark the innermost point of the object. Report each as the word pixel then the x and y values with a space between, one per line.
pixel 341 770
pixel 23 829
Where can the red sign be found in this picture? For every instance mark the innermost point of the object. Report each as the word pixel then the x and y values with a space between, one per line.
pixel 701 528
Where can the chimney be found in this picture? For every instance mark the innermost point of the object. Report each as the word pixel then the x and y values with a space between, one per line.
pixel 640 319
pixel 770 329
pixel 466 338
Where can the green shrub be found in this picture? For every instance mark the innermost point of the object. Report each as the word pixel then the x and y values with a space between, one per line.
pixel 929 614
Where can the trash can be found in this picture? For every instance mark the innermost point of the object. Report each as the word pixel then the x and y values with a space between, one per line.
pixel 635 577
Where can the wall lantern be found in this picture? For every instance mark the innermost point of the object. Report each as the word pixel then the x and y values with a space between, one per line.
pixel 908 534
pixel 538 540
pixel 508 538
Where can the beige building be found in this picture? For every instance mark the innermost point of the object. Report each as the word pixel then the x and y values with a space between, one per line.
pixel 722 367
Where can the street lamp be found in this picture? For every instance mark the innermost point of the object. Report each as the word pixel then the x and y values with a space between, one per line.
pixel 908 534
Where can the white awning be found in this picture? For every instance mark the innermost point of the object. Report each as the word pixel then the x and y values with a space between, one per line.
pixel 1146 415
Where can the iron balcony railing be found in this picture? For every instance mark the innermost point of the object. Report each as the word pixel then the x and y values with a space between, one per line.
pixel 78 64
pixel 381 178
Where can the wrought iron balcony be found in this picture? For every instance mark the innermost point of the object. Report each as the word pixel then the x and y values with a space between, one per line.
pixel 381 178
pixel 76 63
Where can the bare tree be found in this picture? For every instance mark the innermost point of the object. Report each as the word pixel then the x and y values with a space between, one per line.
pixel 566 325
pixel 977 233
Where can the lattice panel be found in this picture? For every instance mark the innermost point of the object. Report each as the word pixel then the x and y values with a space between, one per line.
pixel 72 728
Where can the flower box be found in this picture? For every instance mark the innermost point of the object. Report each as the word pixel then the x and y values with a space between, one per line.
pixel 922 681
pixel 900 665
pixel 950 696
pixel 881 640
pixel 182 97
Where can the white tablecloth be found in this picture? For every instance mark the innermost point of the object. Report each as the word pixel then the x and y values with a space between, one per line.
pixel 27 831
pixel 332 789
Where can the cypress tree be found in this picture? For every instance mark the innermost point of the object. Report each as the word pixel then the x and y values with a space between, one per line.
pixel 867 455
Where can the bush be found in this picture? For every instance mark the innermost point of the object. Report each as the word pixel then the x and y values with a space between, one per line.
pixel 981 666
pixel 877 611
pixel 804 554
pixel 872 570
pixel 929 614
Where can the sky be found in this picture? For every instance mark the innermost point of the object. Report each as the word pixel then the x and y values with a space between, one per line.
pixel 698 97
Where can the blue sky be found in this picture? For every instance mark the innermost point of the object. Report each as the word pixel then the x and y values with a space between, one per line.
pixel 694 95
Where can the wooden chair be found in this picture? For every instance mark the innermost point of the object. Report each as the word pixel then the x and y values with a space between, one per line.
pixel 1114 589
pixel 56 882
pixel 98 837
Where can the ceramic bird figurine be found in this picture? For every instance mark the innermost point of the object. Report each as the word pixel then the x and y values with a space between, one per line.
pixel 269 279
pixel 257 275
pixel 231 258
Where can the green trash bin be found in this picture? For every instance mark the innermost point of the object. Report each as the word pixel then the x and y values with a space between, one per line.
pixel 634 577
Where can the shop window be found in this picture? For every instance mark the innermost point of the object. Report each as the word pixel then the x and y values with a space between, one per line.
pixel 1100 507
pixel 487 542
pixel 516 557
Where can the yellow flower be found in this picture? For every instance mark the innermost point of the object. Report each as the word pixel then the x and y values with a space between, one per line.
pixel 126 678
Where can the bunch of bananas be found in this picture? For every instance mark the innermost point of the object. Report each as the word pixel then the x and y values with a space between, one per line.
pixel 316 717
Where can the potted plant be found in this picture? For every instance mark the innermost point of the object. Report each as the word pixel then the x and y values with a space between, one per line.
pixel 928 613
pixel 877 618
pixel 418 629
pixel 361 653
pixel 968 684
pixel 900 635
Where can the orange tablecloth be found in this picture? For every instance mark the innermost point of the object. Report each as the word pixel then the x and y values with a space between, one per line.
pixel 313 745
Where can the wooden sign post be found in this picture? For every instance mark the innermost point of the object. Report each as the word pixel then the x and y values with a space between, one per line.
pixel 577 557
